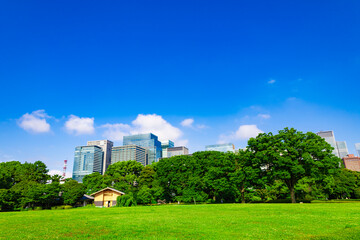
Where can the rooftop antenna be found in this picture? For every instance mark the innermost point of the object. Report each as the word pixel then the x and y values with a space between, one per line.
pixel 64 170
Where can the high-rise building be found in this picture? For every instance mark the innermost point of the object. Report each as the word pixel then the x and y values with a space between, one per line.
pixel 106 146
pixel 357 147
pixel 87 159
pixel 148 141
pixel 176 151
pixel 127 153
pixel 330 138
pixel 351 162
pixel 164 146
pixel 342 149
pixel 227 147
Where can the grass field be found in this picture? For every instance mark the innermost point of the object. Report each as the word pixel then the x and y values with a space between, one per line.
pixel 215 221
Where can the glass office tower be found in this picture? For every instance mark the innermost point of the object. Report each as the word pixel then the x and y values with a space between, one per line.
pixel 148 141
pixel 87 159
pixel 164 146
pixel 227 147
pixel 342 149
pixel 357 147
pixel 127 153
pixel 106 146
pixel 330 138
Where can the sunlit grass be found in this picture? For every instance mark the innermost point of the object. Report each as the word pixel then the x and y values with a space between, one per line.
pixel 217 221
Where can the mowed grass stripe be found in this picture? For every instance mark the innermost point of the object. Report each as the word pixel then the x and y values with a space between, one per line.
pixel 214 221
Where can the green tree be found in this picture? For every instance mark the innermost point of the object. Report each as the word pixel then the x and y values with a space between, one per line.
pixel 94 182
pixel 124 176
pixel 219 168
pixel 178 173
pixel 291 155
pixel 126 200
pixel 72 191
pixel 150 179
pixel 144 196
pixel 344 184
pixel 36 172
pixel 8 172
pixel 243 176
pixel 7 200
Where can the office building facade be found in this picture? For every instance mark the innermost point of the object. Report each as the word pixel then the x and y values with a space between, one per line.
pixel 148 141
pixel 227 147
pixel 164 146
pixel 176 151
pixel 106 147
pixel 342 149
pixel 87 159
pixel 129 152
pixel 330 138
pixel 357 148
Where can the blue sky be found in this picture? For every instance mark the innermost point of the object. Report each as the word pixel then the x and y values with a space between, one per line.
pixel 73 71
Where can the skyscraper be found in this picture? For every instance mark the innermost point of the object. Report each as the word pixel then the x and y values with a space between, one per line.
pixel 148 141
pixel 342 149
pixel 164 146
pixel 106 146
pixel 87 159
pixel 127 153
pixel 227 147
pixel 330 138
pixel 357 147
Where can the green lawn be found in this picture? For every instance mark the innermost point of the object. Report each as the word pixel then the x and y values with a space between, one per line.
pixel 214 221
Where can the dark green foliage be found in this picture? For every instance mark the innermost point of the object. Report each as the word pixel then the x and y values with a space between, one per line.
pixel 124 176
pixel 72 192
pixel 202 175
pixel 343 184
pixel 7 200
pixel 126 200
pixel 291 155
pixel 94 182
pixel 144 196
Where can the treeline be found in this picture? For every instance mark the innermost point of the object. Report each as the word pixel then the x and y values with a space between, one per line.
pixel 285 167
pixel 28 186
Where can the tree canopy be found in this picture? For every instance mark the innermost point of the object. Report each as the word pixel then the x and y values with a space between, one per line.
pixel 291 155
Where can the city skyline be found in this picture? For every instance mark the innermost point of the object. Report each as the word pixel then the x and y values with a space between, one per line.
pixel 197 73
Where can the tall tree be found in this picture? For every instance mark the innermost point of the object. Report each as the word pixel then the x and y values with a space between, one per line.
pixel 123 176
pixel 94 182
pixel 291 155
pixel 179 174
pixel 243 176
pixel 219 168
pixel 72 191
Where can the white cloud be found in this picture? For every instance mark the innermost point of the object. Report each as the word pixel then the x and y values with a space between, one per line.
pixel 35 122
pixel 272 81
pixel 244 132
pixel 116 132
pixel 187 122
pixel 264 116
pixel 145 123
pixel 247 131
pixel 79 126
pixel 157 125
